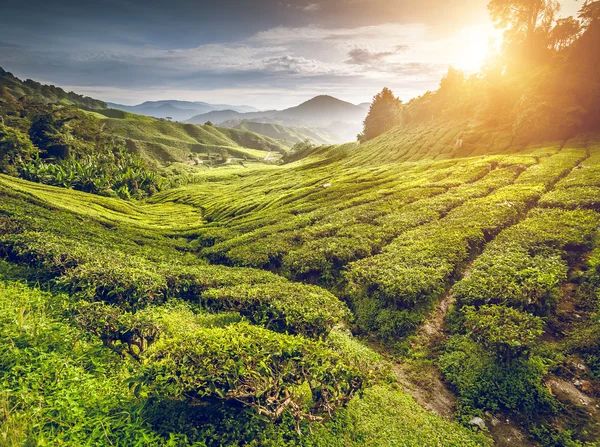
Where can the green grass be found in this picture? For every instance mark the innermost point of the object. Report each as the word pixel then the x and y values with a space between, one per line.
pixel 161 141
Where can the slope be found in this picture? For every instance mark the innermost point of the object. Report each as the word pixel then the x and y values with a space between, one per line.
pixel 290 134
pixel 104 263
pixel 160 141
pixel 392 238
pixel 16 88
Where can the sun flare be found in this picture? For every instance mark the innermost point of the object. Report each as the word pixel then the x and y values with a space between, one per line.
pixel 476 43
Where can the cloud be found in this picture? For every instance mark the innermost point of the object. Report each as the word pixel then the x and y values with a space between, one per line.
pixel 296 65
pixel 311 7
pixel 361 56
pixel 352 63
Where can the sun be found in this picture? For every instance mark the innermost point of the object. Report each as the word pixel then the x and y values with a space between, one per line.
pixel 473 46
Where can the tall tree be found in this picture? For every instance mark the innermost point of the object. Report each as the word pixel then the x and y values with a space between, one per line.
pixel 383 115
pixel 590 12
pixel 564 33
pixel 524 17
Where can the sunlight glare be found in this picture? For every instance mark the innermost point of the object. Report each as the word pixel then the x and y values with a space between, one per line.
pixel 475 45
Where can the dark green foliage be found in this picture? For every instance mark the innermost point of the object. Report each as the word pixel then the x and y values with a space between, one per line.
pixel 524 266
pixel 15 150
pixel 306 310
pixel 383 115
pixel 270 372
pixel 485 383
pixel 44 94
pixel 67 148
pixel 505 331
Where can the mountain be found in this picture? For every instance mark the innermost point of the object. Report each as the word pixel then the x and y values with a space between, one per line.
pixel 220 116
pixel 322 111
pixel 14 87
pixel 178 110
pixel 333 115
pixel 365 105
pixel 291 134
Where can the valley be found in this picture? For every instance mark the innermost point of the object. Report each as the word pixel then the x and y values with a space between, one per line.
pixel 398 273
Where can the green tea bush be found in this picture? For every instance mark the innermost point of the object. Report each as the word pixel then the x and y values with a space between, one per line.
pixel 59 386
pixel 505 331
pixel 524 266
pixel 297 308
pixel 270 372
pixel 325 256
pixel 485 383
pixel 130 282
pixel 511 274
pixel 575 197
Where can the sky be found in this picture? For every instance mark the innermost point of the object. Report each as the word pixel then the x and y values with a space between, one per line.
pixel 270 54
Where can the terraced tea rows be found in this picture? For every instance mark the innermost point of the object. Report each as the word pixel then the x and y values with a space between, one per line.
pixel 241 288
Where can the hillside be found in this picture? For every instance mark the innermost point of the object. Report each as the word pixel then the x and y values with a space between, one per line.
pixel 399 241
pixel 16 88
pixel 160 141
pixel 219 116
pixel 126 254
pixel 339 118
pixel 290 134
pixel 392 239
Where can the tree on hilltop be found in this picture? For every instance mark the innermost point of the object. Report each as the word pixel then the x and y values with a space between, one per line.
pixel 383 115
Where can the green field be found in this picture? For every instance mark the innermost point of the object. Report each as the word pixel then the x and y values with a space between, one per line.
pixel 228 302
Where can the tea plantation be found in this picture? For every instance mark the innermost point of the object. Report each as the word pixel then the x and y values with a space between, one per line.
pixel 277 305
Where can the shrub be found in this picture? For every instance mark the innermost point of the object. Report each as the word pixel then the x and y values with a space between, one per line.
pixel 485 384
pixel 270 372
pixel 296 308
pixel 507 332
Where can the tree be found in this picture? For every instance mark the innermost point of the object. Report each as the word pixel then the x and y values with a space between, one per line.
pixel 15 149
pixel 209 123
pixel 590 12
pixel 523 16
pixel 564 33
pixel 383 115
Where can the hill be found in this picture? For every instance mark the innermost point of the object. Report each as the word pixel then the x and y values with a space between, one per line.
pixel 290 134
pixel 219 116
pixel 16 88
pixel 177 110
pixel 102 249
pixel 157 141
pixel 161 141
pixel 323 112
pixel 392 239
pixel 401 241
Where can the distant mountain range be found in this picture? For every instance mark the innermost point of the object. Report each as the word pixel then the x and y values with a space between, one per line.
pixel 177 110
pixel 330 114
